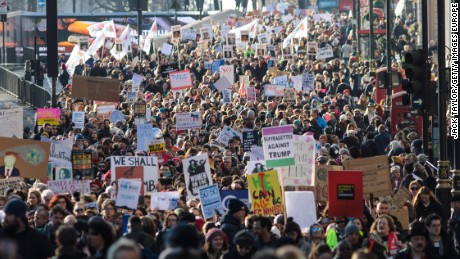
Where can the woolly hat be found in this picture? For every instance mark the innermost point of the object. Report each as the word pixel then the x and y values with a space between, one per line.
pixel 16 207
pixel 212 233
pixel 351 228
pixel 235 205
pixel 244 237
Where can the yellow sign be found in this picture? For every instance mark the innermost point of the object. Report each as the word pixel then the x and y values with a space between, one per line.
pixel 265 192
pixel 155 148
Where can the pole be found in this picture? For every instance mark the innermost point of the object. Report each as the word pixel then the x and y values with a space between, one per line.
pixel 74 6
pixel 3 40
pixel 426 120
pixel 387 106
pixel 36 60
pixel 371 36
pixel 443 188
pixel 358 23
pixel 53 92
pixel 139 29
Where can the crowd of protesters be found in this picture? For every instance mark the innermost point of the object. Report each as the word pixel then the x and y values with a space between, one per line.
pixel 341 112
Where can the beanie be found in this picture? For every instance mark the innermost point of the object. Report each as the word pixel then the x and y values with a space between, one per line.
pixel 351 228
pixel 16 207
pixel 212 233
pixel 235 205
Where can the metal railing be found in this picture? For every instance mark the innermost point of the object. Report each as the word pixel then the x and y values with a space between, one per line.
pixel 26 91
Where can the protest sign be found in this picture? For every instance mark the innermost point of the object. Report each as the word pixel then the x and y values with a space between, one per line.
pixel 227 96
pixel 297 82
pixel 320 181
pixel 197 174
pixel 11 122
pixel 228 72
pixel 301 173
pixel 166 49
pixel 145 135
pixel 60 155
pixel 95 88
pixel 304 215
pixel 376 174
pixel 324 53
pixel 164 200
pixel 280 80
pixel 345 193
pixel 210 200
pixel 70 186
pixel 250 94
pixel 78 118
pixel 116 115
pixel 62 173
pixel 312 48
pixel 242 195
pixel 308 82
pixel 128 193
pixel 222 84
pixel 226 134
pixel 265 193
pixel 274 90
pixel 27 158
pixel 401 196
pixel 231 39
pixel 180 80
pixel 166 69
pixel 224 30
pixel 12 182
pixel 176 31
pixel 278 146
pixel 131 97
pixel 257 153
pixel 82 166
pixel 216 64
pixel 254 167
pixel 144 168
pixel 188 120
pixel 206 33
pixel 48 115
pixel 403 216
pixel 137 80
pixel 250 138
pixel 228 52
pixel 188 34
pixel 104 109
pixel 289 96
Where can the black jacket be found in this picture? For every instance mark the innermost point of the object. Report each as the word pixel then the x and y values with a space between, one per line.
pixel 230 226
pixel 405 254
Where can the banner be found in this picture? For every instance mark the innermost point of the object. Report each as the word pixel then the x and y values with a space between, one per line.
pixel 197 174
pixel 188 120
pixel 274 90
pixel 304 215
pixel 164 200
pixel 324 53
pixel 301 173
pixel 11 122
pixel 265 193
pixel 345 193
pixel 226 134
pixel 82 166
pixel 210 201
pixel 144 168
pixel 45 115
pixel 60 155
pixel 95 88
pixel 78 118
pixel 228 72
pixel 320 181
pixel 376 176
pixel 278 146
pixel 24 158
pixel 180 80
pixel 128 193
pixel 70 186
pixel 250 138
pixel 13 183
pixel 242 195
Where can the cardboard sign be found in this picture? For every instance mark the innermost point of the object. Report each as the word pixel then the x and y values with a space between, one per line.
pixel 128 193
pixel 242 195
pixel 320 181
pixel 180 80
pixel 210 201
pixel 51 116
pixel 78 118
pixel 265 193
pixel 13 182
pixel 403 216
pixel 24 158
pixel 164 200
pixel 274 90
pixel 82 166
pixel 144 168
pixel 324 53
pixel 301 173
pixel 345 189
pixel 278 146
pixel 228 72
pixel 401 196
pixel 197 174
pixel 11 122
pixel 376 174
pixel 250 138
pixel 226 134
pixel 188 120
pixel 304 215
pixel 156 148
pixel 70 186
pixel 95 88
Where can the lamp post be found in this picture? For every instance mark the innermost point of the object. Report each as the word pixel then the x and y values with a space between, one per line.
pixel 3 18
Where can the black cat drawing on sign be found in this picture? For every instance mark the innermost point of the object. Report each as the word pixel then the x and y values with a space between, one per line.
pixel 197 176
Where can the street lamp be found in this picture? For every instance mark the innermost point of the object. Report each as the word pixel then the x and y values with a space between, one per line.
pixel 4 19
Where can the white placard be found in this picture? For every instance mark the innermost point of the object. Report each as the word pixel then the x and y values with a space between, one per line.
pixel 226 134
pixel 188 120
pixel 128 193
pixel 166 49
pixel 164 200
pixel 180 80
pixel 78 118
pixel 11 122
pixel 274 90
pixel 136 167
pixel 325 52
pixel 228 72
pixel 70 186
pixel 197 174
pixel 304 215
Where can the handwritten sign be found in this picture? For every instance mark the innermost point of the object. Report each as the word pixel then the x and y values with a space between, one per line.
pixel 164 200
pixel 320 181
pixel 50 116
pixel 274 90
pixel 12 182
pixel 11 122
pixel 78 118
pixel 180 80
pixel 210 200
pixel 301 173
pixel 60 155
pixel 401 196
pixel 144 168
pixel 265 193
pixel 128 193
pixel 278 146
pixel 188 120
pixel 70 186
pixel 324 53
pixel 226 134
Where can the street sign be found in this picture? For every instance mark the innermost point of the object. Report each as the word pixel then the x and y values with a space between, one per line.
pixel 417 102
pixel 41 3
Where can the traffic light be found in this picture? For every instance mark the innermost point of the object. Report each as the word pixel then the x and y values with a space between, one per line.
pixel 416 74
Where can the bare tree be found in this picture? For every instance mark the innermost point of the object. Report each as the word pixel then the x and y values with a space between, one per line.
pixel 109 6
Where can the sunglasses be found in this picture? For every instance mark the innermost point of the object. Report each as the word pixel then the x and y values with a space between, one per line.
pixel 316 229
pixel 414 188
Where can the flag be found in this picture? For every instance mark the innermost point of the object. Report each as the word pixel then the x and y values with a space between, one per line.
pixel 242 89
pixel 109 30
pixel 106 27
pixel 125 37
pixel 300 30
pixel 97 43
pixel 74 59
pixel 153 32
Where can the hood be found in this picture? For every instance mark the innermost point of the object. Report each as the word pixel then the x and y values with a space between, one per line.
pixel 229 219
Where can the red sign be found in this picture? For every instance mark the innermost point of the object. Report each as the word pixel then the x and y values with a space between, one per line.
pixel 345 190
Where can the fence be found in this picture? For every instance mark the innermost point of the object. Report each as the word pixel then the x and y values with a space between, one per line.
pixel 28 92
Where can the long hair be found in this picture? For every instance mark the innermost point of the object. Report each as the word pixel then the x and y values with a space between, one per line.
pixel 424 191
pixel 390 221
pixel 55 199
